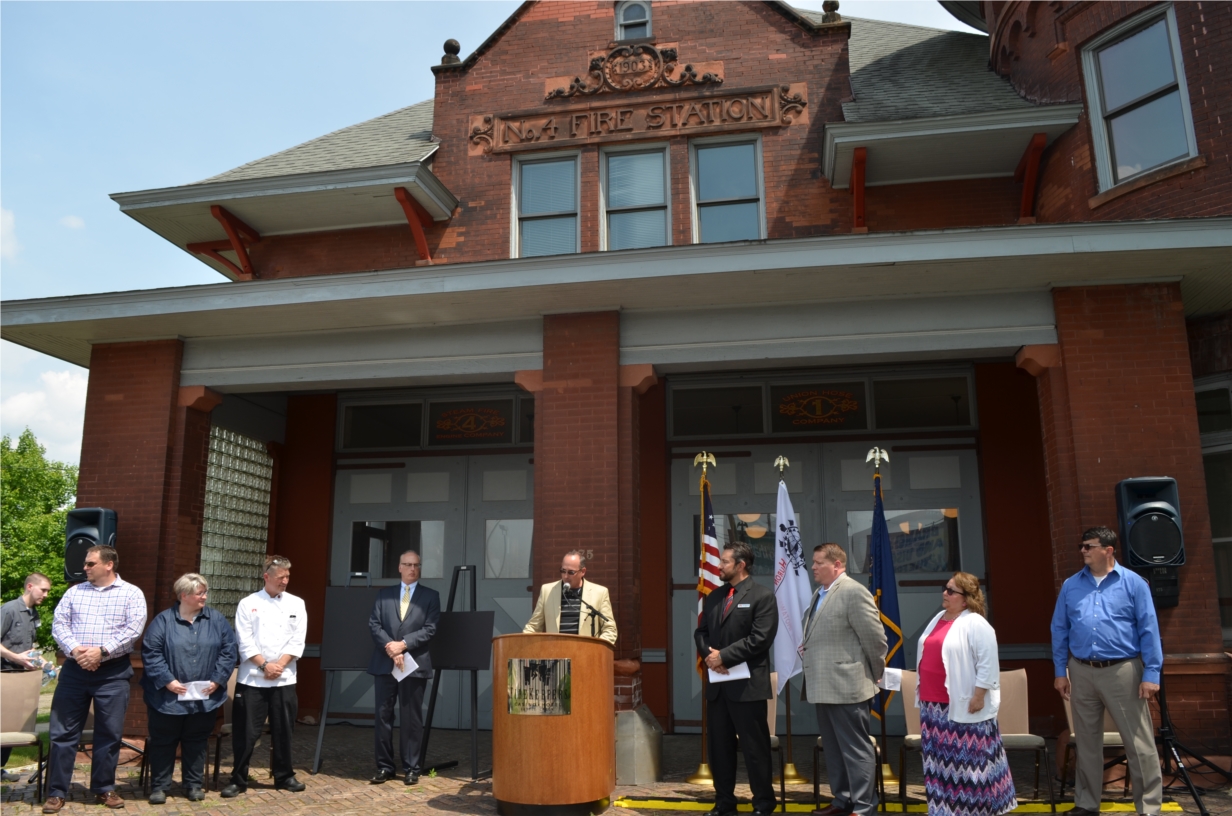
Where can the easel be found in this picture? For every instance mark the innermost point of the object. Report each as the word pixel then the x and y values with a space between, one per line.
pixel 366 602
pixel 463 642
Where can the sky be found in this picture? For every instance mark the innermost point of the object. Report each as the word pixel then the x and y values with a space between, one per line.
pixel 102 97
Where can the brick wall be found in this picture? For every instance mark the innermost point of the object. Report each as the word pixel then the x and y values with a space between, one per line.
pixel 1121 404
pixel 1025 47
pixel 942 204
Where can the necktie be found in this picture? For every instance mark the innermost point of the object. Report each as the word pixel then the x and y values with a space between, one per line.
pixel 406 603
pixel 731 596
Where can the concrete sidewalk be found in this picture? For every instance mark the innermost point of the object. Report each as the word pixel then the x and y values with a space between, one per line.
pixel 342 789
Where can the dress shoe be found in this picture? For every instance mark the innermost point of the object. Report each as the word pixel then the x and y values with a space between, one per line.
pixel 832 810
pixel 233 790
pixel 382 776
pixel 1079 811
pixel 53 804
pixel 292 784
pixel 109 799
pixel 158 797
pixel 412 778
pixel 196 794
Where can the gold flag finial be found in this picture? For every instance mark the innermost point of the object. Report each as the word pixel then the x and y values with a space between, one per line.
pixel 704 459
pixel 781 463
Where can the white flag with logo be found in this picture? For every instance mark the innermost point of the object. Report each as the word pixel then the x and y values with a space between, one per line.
pixel 792 589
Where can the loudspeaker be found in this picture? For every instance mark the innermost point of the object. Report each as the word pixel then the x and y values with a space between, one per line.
pixel 1149 512
pixel 87 527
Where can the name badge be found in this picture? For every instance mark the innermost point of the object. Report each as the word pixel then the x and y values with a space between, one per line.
pixel 742 606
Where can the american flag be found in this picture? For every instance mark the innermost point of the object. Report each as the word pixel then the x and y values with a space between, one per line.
pixel 708 563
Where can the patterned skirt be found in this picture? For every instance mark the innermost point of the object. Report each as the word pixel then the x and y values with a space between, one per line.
pixel 965 769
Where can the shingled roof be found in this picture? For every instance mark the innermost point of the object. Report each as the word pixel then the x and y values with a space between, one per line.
pixel 395 138
pixel 908 72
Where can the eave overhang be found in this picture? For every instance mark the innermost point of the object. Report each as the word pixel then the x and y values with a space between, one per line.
pixel 285 205
pixel 1030 258
pixel 981 145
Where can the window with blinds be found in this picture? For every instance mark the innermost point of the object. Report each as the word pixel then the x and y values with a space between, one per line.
pixel 235 531
pixel 635 199
pixel 727 192
pixel 632 20
pixel 547 199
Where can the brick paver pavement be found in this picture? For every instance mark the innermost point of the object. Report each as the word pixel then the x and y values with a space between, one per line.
pixel 341 789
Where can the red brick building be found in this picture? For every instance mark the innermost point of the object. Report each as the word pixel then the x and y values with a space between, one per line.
pixel 498 325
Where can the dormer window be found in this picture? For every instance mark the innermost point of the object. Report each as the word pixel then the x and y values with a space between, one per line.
pixel 633 20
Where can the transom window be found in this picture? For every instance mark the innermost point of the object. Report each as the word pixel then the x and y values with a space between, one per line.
pixel 632 20
pixel 1137 84
pixel 727 192
pixel 635 197
pixel 547 198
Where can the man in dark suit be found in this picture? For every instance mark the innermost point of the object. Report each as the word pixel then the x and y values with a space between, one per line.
pixel 738 622
pixel 403 621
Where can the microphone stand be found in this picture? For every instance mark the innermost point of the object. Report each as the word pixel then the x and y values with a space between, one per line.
pixel 595 613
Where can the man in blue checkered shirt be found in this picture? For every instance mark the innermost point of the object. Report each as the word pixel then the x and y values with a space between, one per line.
pixel 96 625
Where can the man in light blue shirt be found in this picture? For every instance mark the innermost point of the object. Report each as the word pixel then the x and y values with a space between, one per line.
pixel 1106 635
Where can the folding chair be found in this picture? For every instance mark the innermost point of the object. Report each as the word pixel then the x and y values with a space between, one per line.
pixel 911 742
pixel 1013 720
pixel 1112 739
pixel 19 698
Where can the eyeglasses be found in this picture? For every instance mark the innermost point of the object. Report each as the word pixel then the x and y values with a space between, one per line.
pixel 949 591
pixel 416 565
pixel 1084 546
pixel 89 564
pixel 570 573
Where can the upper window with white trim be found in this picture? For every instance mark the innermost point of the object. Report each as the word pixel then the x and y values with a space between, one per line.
pixel 1139 101
pixel 547 207
pixel 635 199
pixel 632 19
pixel 727 191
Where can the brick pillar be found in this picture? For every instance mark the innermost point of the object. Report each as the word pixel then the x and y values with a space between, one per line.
pixel 144 453
pixel 1116 401
pixel 302 514
pixel 586 470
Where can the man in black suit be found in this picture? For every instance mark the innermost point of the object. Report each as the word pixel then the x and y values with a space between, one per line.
pixel 403 621
pixel 738 622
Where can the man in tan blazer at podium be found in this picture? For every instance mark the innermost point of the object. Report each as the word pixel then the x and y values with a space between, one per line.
pixel 573 605
pixel 844 653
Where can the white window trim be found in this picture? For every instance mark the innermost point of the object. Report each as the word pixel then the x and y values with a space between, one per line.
pixel 1095 109
pixel 515 212
pixel 743 138
pixel 620 8
pixel 652 147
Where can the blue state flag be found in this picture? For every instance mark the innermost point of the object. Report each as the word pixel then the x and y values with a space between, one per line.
pixel 885 593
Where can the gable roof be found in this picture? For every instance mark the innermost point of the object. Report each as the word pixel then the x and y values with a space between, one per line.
pixel 903 71
pixel 395 138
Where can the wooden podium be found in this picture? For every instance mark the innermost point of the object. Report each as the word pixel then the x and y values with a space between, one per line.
pixel 545 761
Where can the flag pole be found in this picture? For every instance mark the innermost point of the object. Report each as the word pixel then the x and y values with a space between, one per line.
pixel 702 775
pixel 887 773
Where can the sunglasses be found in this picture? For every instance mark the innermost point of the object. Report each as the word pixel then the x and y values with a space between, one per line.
pixel 1085 547
pixel 89 564
pixel 569 572
pixel 949 591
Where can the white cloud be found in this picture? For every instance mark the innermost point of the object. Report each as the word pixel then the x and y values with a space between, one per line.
pixel 8 236
pixel 72 222
pixel 54 410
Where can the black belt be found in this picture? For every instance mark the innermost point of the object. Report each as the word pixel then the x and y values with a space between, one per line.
pixel 1101 664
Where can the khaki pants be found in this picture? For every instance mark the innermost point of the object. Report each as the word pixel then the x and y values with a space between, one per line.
pixel 1114 688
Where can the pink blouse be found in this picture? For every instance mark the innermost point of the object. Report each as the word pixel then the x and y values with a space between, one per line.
pixel 932 669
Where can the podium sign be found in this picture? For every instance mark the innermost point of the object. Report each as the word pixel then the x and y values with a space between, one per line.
pixel 538 686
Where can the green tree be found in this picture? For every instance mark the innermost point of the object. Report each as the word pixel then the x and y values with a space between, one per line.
pixel 35 496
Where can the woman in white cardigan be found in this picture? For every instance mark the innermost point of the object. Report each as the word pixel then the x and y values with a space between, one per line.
pixel 958 693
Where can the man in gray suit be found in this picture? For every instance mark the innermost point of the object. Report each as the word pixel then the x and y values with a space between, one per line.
pixel 844 652
pixel 403 621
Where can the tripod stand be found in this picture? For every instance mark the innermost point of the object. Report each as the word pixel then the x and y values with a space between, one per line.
pixel 1172 750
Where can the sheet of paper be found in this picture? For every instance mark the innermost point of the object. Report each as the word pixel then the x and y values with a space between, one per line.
pixel 408 665
pixel 196 690
pixel 738 672
pixel 892 680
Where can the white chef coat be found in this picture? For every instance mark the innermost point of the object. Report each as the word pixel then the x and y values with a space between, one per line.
pixel 270 627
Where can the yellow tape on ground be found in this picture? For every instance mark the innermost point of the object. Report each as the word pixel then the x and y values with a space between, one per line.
pixel 891 807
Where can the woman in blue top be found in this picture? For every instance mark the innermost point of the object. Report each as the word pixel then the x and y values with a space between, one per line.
pixel 189 653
